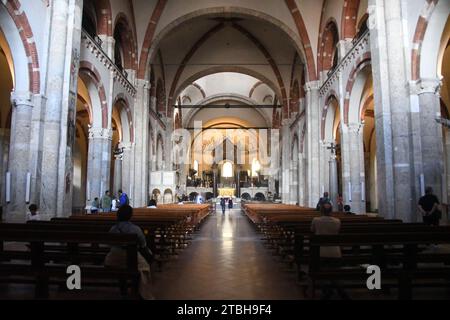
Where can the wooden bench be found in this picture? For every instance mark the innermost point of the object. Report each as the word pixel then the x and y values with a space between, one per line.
pixel 409 266
pixel 42 265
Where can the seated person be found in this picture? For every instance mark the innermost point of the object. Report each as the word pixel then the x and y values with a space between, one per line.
pixel 117 256
pixel 327 225
pixel 33 215
pixel 152 204
pixel 94 206
pixel 348 210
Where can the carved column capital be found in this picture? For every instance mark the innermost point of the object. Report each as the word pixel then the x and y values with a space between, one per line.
pixel 312 85
pixel 23 98
pixel 424 86
pixel 100 133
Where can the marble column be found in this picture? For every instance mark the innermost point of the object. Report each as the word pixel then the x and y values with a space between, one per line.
pixel 238 182
pixel 301 182
pixel 215 181
pixel 140 123
pixel 19 154
pixel 285 162
pixel 431 138
pixel 99 155
pixel 392 111
pixel 353 159
pixel 127 166
pixel 57 163
pixel 294 181
pixel 117 174
pixel 446 196
pixel 333 174
pixel 4 155
pixel 313 142
pixel 108 45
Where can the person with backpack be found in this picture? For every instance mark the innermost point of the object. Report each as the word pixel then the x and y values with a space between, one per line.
pixel 123 199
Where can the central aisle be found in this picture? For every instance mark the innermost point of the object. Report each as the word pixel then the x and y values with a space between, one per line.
pixel 227 261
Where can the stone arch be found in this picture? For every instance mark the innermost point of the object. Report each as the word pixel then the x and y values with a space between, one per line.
pixel 248 35
pixel 260 197
pixel 124 33
pixel 255 86
pixel 212 99
pixel 104 17
pixel 168 196
pixel 246 196
pixel 26 60
pixel 160 97
pixel 156 195
pixel 349 19
pixel 331 96
pixel 359 66
pixel 220 69
pixel 151 44
pixel 123 100
pixel 425 54
pixel 88 69
pixel 327 50
pixel 199 88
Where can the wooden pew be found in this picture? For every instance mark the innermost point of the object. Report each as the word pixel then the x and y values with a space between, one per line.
pixel 412 267
pixel 43 266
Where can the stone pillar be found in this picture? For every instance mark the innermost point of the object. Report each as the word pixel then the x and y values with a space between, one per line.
pixel 343 47
pixel 238 183
pixel 431 138
pixel 4 155
pixel 285 162
pixel 98 168
pixel 312 145
pixel 356 176
pixel 127 165
pixel 392 111
pixel 140 123
pixel 19 154
pixel 324 177
pixel 294 183
pixel 215 189
pixel 117 174
pixel 301 182
pixel 58 134
pixel 447 167
pixel 333 180
pixel 108 45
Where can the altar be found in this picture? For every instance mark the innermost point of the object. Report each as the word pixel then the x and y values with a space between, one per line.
pixel 227 192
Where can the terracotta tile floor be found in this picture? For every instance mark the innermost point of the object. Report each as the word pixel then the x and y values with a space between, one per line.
pixel 227 261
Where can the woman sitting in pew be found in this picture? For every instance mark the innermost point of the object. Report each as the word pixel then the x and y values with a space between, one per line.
pixel 117 257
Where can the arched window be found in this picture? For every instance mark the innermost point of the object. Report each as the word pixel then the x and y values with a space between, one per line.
pixel 118 49
pixel 256 167
pixel 227 170
pixel 89 21
pixel 196 167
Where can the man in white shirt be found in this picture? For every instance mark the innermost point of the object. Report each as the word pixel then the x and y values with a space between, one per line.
pixel 327 225
pixel 330 256
pixel 33 215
